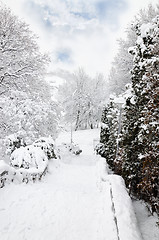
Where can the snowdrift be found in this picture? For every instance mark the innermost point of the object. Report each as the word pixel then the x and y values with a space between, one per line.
pixel 124 216
pixel 123 210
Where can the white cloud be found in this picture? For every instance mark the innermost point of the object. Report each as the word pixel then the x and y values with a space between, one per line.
pixel 78 32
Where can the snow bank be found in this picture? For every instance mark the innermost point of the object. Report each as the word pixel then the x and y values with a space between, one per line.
pixel 147 223
pixel 123 210
pixel 102 168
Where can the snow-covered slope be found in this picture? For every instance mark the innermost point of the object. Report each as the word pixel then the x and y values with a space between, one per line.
pixel 76 200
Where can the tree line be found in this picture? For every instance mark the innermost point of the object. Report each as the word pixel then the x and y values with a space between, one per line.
pixel 26 107
pixel 129 138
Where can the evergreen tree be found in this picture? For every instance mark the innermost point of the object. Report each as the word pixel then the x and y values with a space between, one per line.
pixel 136 156
pixel 141 157
pixel 148 44
pixel 129 144
pixel 123 62
pixel 109 132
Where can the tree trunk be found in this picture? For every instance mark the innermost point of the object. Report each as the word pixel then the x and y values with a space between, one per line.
pixel 77 120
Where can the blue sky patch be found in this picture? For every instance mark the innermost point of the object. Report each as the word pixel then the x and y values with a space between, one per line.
pixel 110 10
pixel 84 15
pixel 63 56
pixel 48 23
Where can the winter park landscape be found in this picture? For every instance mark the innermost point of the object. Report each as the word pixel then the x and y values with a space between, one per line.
pixel 79 120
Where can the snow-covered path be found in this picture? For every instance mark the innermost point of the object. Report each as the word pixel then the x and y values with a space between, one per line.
pixel 70 203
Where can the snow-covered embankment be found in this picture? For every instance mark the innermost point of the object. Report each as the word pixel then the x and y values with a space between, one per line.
pixel 122 209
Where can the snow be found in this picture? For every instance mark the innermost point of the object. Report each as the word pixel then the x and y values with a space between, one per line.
pixel 140 42
pixel 145 29
pixel 19 156
pixel 104 125
pixel 76 200
pixel 47 145
pixel 26 164
pixel 12 142
pixel 3 166
pixel 7 173
pixel 119 100
pixel 126 219
pixel 147 223
pixel 132 50
pixel 29 157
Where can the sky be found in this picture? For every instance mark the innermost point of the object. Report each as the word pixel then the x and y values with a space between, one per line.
pixel 78 33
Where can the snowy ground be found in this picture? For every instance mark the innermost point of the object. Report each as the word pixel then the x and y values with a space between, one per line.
pixel 146 222
pixel 76 200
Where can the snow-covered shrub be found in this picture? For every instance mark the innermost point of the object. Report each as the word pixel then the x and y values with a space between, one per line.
pixel 100 149
pixel 70 147
pixel 26 164
pixel 47 145
pixel 29 157
pixel 13 142
pixel 6 173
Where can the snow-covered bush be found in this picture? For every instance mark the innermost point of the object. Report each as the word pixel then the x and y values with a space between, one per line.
pixel 26 164
pixel 70 147
pixel 100 149
pixel 6 173
pixel 29 157
pixel 47 145
pixel 13 142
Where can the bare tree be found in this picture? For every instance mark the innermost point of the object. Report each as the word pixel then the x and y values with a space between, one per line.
pixel 82 98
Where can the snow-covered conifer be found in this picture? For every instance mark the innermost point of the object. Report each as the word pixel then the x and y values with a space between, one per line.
pixel 141 159
pixel 109 133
